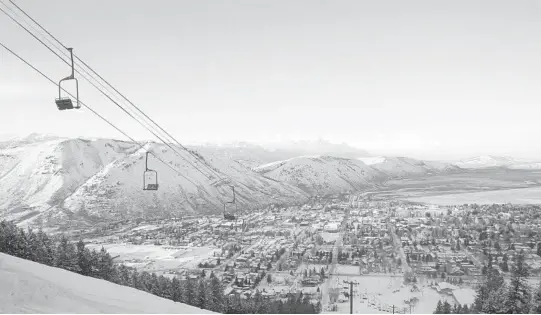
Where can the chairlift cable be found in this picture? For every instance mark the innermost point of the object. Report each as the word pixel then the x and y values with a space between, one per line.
pixel 95 112
pixel 217 173
pixel 100 90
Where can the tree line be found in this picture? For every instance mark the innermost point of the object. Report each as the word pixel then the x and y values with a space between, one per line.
pixel 199 291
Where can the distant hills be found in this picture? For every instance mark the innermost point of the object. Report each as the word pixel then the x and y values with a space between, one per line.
pixel 487 161
pixel 326 174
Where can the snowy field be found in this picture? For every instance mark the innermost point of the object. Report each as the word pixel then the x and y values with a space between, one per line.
pixel 471 181
pixel 348 269
pixel 329 237
pixel 515 196
pixel 154 258
pixel 29 287
pixel 384 292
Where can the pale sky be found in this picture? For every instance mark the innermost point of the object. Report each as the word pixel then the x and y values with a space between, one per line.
pixel 427 79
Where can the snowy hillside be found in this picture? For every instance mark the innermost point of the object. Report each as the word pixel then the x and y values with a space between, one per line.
pixel 328 175
pixel 486 161
pixel 29 287
pixel 252 155
pixel 104 178
pixel 399 167
pixel 323 174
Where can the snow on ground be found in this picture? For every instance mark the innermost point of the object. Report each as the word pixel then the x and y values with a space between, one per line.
pixel 372 160
pixel 29 287
pixel 329 237
pixel 517 196
pixel 348 269
pixel 384 292
pixel 157 257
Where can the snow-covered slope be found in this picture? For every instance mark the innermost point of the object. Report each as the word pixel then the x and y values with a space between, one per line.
pixel 104 178
pixel 328 175
pixel 323 174
pixel 398 167
pixel 486 161
pixel 29 287
pixel 253 155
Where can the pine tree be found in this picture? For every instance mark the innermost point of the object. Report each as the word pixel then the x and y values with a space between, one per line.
pixel 176 290
pixel 66 255
pixel 153 285
pixel 105 265
pixel 216 295
pixel 518 296
pixel 446 308
pixel 189 292
pixel 33 245
pixel 22 247
pixel 536 301
pixel 439 308
pixel 83 259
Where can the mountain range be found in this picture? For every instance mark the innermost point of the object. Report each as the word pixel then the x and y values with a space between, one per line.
pixel 50 180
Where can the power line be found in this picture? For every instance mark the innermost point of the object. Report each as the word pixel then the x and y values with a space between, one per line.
pixel 94 111
pixel 100 90
pixel 216 173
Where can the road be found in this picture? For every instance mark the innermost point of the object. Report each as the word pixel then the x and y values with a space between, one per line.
pixel 406 269
pixel 334 262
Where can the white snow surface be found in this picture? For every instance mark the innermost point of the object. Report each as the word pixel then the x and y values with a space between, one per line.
pixel 29 287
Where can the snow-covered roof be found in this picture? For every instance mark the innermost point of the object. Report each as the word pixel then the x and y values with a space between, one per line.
pixel 464 296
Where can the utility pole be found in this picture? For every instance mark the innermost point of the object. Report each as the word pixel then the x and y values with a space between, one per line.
pixel 393 308
pixel 351 283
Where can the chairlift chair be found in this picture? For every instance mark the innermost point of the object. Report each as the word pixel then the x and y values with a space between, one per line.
pixel 150 177
pixel 229 216
pixel 64 103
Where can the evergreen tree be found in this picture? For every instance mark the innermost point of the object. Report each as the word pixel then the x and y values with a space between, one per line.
pixel 33 245
pixel 446 309
pixel 536 301
pixel 216 301
pixel 176 290
pixel 153 285
pixel 45 249
pixel 104 265
pixel 83 259
pixel 518 296
pixel 439 308
pixel 465 309
pixel 189 292
pixel 66 255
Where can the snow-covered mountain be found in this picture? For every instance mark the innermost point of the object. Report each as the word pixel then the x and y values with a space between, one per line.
pixel 323 175
pixel 29 287
pixel 328 175
pixel 318 147
pixel 399 167
pixel 253 155
pixel 487 161
pixel 104 178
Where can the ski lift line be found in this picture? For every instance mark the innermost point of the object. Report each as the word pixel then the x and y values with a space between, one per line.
pixel 218 175
pixel 95 112
pixel 122 95
pixel 207 176
pixel 100 90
